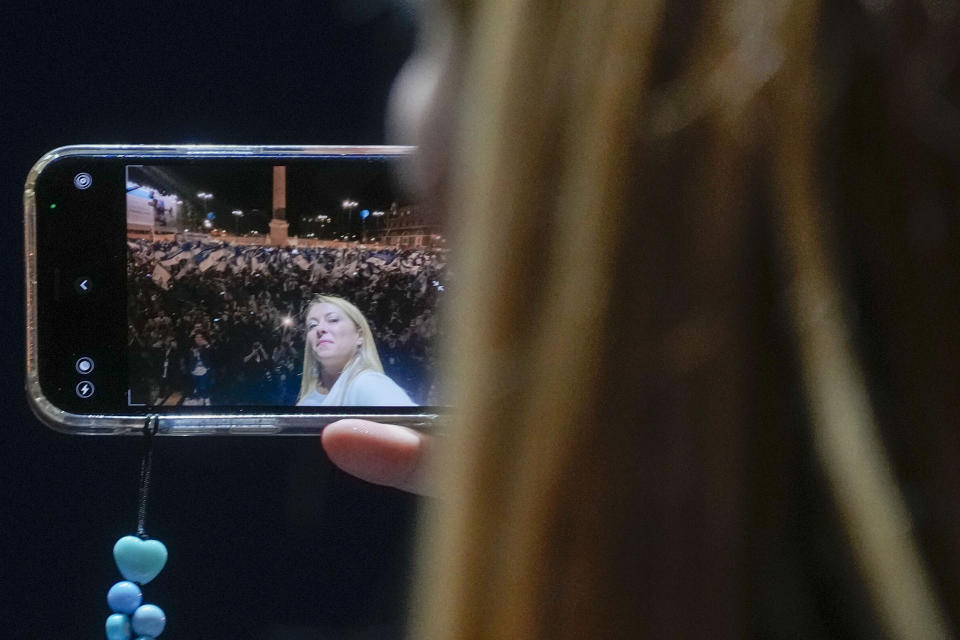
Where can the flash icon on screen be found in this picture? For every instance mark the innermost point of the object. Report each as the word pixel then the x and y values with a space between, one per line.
pixel 85 389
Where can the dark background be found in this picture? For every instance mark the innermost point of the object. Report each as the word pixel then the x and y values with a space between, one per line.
pixel 266 538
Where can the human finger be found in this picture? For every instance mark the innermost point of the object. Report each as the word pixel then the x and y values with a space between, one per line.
pixel 383 454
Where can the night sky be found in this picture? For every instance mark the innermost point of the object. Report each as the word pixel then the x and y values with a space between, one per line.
pixel 317 188
pixel 266 538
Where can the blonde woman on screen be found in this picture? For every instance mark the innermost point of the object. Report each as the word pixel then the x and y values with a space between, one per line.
pixel 341 366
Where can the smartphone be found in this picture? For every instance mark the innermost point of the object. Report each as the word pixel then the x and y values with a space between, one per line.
pixel 230 290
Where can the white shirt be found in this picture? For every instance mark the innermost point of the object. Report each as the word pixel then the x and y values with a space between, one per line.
pixel 368 388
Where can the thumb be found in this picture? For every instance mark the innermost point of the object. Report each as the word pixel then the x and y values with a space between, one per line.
pixel 383 454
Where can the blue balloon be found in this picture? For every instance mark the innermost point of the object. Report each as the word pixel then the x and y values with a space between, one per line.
pixel 211 216
pixel 149 620
pixel 364 213
pixel 118 627
pixel 124 597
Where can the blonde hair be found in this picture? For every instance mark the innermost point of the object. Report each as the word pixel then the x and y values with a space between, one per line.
pixel 365 359
pixel 605 181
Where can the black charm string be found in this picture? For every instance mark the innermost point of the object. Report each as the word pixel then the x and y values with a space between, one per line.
pixel 150 426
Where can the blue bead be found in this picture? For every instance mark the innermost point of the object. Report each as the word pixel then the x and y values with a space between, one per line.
pixel 146 638
pixel 118 627
pixel 149 620
pixel 124 597
pixel 139 560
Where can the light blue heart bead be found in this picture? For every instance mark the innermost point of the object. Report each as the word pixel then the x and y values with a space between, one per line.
pixel 149 620
pixel 118 627
pixel 124 597
pixel 139 560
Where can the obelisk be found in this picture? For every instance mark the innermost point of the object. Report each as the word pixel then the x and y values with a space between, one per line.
pixel 279 224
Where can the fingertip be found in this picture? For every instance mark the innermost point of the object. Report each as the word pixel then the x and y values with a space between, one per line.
pixel 380 453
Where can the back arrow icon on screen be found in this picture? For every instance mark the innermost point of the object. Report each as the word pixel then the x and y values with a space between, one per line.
pixel 81 285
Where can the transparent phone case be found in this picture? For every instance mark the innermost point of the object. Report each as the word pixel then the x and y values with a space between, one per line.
pixel 215 422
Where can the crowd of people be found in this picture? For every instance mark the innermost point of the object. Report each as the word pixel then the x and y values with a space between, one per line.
pixel 220 324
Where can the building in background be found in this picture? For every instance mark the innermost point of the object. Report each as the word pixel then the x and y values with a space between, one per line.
pixel 411 227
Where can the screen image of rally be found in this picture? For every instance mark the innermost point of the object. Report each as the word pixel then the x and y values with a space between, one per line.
pixel 305 284
pixel 218 323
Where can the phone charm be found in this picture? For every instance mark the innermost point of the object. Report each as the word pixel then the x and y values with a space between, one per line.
pixel 139 559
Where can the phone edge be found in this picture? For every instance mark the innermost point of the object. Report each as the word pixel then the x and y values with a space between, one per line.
pixel 198 424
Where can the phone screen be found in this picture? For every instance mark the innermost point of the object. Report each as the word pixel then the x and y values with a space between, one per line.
pixel 282 284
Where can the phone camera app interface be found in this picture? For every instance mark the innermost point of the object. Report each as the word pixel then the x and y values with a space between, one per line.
pixel 281 286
